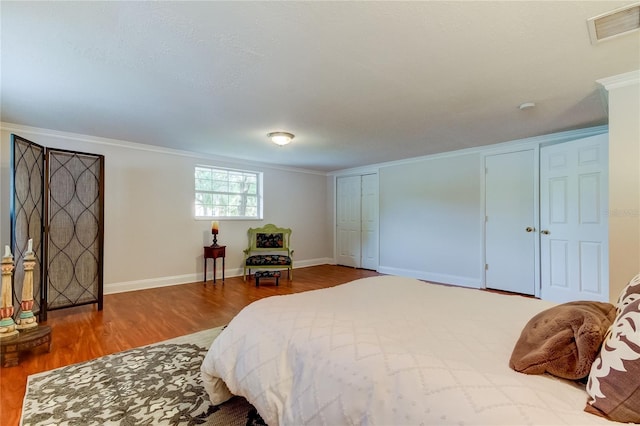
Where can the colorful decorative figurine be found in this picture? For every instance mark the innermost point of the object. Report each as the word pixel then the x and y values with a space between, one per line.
pixel 7 325
pixel 26 318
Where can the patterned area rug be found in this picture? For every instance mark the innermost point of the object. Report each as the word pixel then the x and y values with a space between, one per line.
pixel 157 384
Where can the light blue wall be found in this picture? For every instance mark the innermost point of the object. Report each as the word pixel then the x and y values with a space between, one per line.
pixel 432 210
pixel 430 219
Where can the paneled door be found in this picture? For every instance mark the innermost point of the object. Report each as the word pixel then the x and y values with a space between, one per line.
pixel 349 225
pixel 357 221
pixel 573 220
pixel 369 221
pixel 510 237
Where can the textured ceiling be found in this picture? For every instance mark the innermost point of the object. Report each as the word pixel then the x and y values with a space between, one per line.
pixel 357 82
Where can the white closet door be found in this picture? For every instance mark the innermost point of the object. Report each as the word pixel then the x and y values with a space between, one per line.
pixel 369 220
pixel 574 227
pixel 510 222
pixel 348 218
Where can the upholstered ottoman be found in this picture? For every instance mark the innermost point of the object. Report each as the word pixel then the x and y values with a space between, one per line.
pixel 266 274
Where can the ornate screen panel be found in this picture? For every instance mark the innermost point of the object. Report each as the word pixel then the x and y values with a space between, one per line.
pixel 75 229
pixel 27 213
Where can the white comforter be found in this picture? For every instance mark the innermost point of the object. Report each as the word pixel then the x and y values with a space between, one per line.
pixel 387 351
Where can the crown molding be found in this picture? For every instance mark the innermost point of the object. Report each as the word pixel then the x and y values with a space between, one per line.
pixel 620 80
pixel 12 127
pixel 551 138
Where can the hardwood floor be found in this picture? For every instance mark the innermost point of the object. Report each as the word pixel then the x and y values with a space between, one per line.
pixel 142 317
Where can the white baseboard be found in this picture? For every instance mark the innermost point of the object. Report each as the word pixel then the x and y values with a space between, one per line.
pixel 121 287
pixel 112 288
pixel 460 281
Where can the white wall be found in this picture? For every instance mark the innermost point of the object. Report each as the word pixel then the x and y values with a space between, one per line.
pixel 430 219
pixel 432 211
pixel 431 208
pixel 624 179
pixel 151 236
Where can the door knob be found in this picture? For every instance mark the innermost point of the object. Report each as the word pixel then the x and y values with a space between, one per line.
pixel 545 232
pixel 529 229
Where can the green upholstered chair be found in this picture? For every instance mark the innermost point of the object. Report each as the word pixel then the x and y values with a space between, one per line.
pixel 268 250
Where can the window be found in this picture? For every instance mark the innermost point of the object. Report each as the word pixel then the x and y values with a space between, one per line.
pixel 226 193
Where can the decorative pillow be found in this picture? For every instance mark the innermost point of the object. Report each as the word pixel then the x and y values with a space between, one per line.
pixel 563 340
pixel 629 294
pixel 614 381
pixel 269 240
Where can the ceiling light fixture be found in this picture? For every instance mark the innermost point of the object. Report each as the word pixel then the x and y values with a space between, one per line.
pixel 281 138
pixel 527 105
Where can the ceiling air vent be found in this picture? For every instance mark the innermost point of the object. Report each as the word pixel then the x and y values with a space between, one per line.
pixel 612 24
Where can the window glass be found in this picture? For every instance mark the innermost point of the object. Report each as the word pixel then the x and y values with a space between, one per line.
pixel 227 193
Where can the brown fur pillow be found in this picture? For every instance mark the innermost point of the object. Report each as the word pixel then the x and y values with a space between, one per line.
pixel 563 340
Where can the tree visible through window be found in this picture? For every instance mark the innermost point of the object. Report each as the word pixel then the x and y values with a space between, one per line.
pixel 227 193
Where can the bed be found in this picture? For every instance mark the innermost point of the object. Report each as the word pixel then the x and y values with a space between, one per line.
pixel 388 351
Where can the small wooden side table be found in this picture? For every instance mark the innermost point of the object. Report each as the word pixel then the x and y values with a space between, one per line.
pixel 11 347
pixel 213 252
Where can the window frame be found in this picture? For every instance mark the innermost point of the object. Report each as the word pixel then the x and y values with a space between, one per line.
pixel 216 169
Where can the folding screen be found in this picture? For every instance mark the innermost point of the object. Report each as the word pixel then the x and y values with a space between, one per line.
pixel 27 215
pixel 74 232
pixel 65 222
